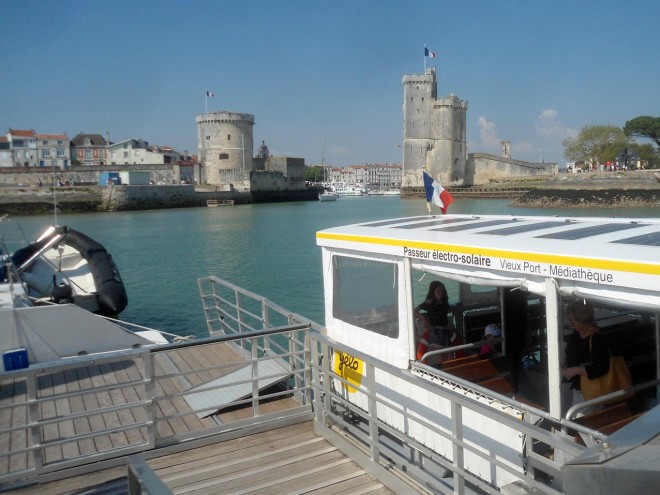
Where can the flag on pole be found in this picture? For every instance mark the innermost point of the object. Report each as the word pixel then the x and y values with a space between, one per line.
pixel 429 53
pixel 436 194
pixel 210 94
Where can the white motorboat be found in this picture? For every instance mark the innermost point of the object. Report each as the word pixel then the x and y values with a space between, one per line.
pixel 64 265
pixel 327 196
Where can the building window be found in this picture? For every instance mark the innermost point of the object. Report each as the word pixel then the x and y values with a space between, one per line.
pixel 125 154
pixel 45 153
pixel 60 152
pixel 228 137
pixel 208 138
pixel 88 142
pixel 223 156
pixel 88 153
pixel 45 143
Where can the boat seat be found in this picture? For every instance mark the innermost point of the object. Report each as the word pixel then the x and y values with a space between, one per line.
pixel 608 420
pixel 459 361
pixel 476 371
pixel 501 385
pixel 599 419
pixel 617 425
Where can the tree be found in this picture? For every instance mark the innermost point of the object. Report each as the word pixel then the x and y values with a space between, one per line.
pixel 595 144
pixel 644 126
pixel 313 173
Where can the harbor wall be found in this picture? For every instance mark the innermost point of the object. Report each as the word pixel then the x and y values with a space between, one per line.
pixel 482 168
pixel 82 175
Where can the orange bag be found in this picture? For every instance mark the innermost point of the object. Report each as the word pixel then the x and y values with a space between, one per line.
pixel 617 378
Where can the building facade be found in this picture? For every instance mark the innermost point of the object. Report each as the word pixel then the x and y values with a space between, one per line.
pixel 23 146
pixel 133 152
pixel 5 153
pixel 372 175
pixel 89 149
pixel 53 151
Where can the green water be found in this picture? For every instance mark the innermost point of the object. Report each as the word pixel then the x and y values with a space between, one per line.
pixel 269 249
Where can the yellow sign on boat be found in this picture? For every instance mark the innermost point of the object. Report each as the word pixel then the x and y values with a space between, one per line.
pixel 349 368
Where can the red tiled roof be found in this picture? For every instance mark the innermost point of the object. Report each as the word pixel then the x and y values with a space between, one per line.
pixel 52 136
pixel 21 133
pixel 3 139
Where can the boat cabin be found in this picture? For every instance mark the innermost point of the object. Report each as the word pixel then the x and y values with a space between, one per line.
pixel 516 275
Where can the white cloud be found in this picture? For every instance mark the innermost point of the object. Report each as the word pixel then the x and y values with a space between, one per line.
pixel 488 132
pixel 522 148
pixel 549 126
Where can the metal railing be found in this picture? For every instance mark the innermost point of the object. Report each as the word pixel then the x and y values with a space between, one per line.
pixel 360 414
pixel 77 412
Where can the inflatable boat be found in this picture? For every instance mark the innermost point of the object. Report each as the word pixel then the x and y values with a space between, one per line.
pixel 66 266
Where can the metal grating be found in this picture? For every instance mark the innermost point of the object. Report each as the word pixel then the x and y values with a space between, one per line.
pixel 593 230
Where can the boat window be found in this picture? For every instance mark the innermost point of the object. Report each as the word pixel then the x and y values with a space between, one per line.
pixel 365 294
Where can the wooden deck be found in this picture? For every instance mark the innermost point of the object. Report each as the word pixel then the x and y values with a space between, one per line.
pixel 97 387
pixel 286 460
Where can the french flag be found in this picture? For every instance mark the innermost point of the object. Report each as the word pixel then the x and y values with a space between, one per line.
pixel 210 94
pixel 436 194
pixel 429 53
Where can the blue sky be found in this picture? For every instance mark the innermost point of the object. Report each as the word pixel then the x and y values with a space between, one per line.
pixel 533 72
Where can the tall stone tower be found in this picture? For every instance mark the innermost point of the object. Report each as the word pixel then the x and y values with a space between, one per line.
pixel 224 140
pixel 434 133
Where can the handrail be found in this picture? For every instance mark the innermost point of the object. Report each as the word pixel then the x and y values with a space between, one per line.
pixel 146 400
pixel 574 410
pixel 370 402
pixel 472 345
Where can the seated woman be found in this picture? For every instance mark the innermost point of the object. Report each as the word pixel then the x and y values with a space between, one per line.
pixel 437 333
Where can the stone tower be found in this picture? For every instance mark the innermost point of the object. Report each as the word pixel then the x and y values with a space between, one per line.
pixel 434 133
pixel 224 140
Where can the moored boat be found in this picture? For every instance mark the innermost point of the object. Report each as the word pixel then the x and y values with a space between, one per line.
pixel 64 265
pixel 519 273
pixel 327 196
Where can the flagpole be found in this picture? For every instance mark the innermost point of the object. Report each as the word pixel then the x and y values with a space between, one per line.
pixel 206 102
pixel 424 59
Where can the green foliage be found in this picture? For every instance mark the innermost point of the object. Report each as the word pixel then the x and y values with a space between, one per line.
pixel 596 144
pixel 644 126
pixel 314 173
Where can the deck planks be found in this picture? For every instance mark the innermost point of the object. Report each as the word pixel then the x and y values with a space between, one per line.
pixel 173 416
pixel 286 460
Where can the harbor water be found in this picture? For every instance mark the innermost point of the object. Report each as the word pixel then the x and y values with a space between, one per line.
pixel 269 249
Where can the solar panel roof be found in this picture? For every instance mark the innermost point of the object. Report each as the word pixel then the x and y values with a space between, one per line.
pixel 581 233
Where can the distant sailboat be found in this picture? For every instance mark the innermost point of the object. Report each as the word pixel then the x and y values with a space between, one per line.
pixel 326 195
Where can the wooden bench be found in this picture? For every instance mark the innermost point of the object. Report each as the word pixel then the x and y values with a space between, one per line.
pixel 475 371
pixel 599 419
pixel 501 385
pixel 608 420
pixel 459 361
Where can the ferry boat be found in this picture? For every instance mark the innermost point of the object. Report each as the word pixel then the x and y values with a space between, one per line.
pixel 269 383
pixel 345 189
